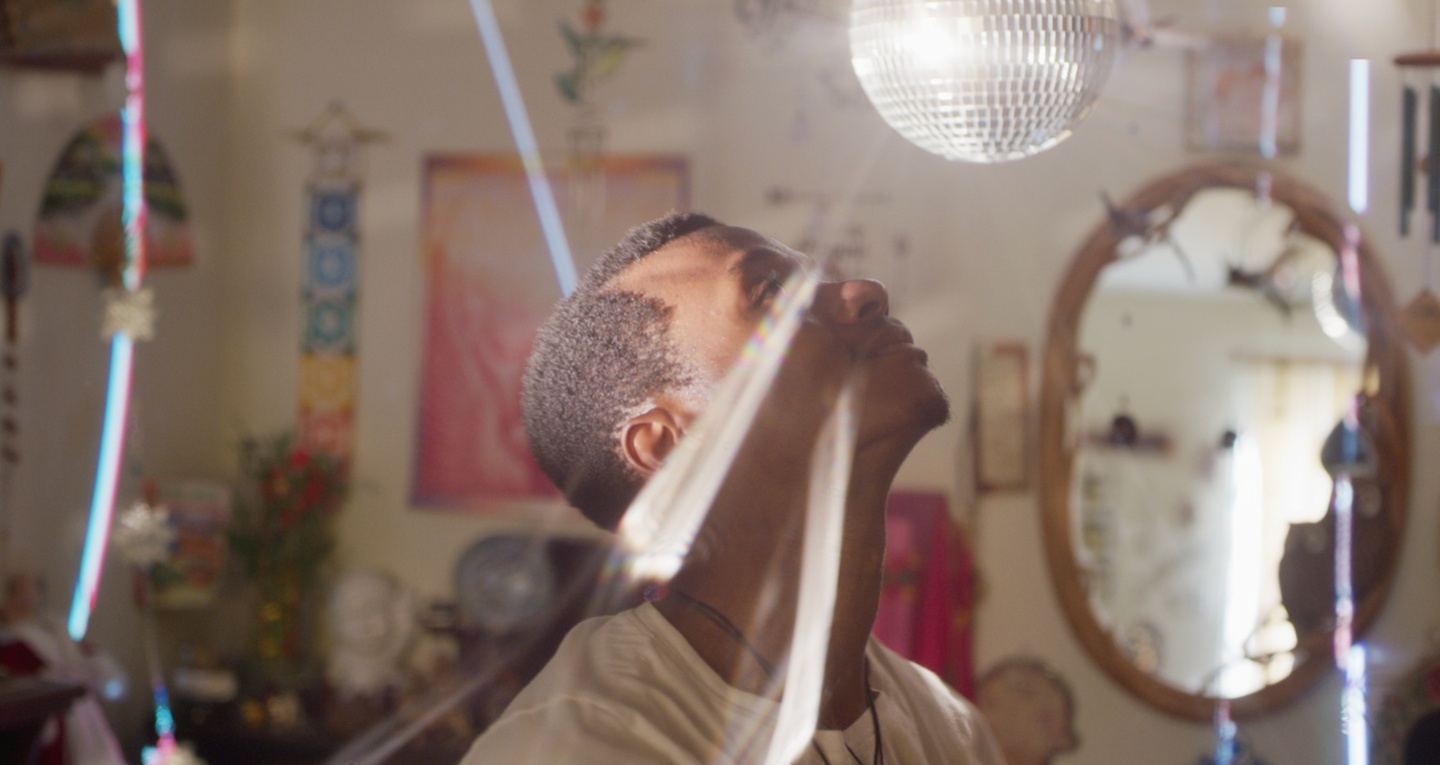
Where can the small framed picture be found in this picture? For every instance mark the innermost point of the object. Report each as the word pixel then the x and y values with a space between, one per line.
pixel 1234 83
pixel 76 35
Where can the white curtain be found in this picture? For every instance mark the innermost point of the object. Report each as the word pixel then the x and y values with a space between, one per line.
pixel 1288 407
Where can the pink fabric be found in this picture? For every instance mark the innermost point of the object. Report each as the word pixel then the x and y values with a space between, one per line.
pixel 928 593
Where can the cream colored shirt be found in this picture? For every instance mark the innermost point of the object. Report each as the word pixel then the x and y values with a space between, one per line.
pixel 629 689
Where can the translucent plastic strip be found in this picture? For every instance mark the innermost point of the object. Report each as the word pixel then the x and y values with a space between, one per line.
pixel 376 745
pixel 1350 266
pixel 819 571
pixel 117 392
pixel 102 502
pixel 1224 734
pixel 1270 99
pixel 1359 181
pixel 525 143
pixel 1344 595
pixel 661 524
pixel 1353 712
pixel 133 209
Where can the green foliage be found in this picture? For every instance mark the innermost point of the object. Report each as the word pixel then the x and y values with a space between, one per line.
pixel 597 57
pixel 285 522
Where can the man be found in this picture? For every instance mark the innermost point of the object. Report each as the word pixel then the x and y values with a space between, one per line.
pixel 617 376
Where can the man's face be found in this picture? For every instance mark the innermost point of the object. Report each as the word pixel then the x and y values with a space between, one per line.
pixel 720 282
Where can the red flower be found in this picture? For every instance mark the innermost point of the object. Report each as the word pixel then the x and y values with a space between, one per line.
pixel 593 15
pixel 293 482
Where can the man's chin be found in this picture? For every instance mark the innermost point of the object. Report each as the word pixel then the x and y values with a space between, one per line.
pixel 933 411
pixel 903 424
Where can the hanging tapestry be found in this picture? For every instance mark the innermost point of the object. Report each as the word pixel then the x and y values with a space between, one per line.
pixel 328 297
pixel 489 284
pixel 330 281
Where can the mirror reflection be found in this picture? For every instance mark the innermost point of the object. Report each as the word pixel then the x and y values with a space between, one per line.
pixel 1219 366
pixel 1220 340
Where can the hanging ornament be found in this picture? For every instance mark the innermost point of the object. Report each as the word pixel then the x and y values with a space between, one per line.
pixel 596 56
pixel 131 313
pixel 143 535
pixel 983 80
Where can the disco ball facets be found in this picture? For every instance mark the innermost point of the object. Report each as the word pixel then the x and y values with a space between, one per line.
pixel 983 80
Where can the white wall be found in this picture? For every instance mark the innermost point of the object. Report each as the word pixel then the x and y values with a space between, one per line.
pixel 988 245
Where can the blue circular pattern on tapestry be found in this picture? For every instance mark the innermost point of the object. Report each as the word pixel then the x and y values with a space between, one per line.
pixel 332 265
pixel 333 210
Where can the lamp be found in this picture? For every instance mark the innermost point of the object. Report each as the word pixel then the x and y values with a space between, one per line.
pixel 983 80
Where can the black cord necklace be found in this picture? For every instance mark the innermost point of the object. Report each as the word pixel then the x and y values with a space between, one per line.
pixel 879 758
pixel 729 628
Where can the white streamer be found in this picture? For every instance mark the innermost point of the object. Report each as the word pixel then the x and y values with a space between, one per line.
pixel 820 567
pixel 525 143
pixel 662 522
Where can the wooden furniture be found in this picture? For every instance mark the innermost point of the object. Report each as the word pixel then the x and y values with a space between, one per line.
pixel 26 703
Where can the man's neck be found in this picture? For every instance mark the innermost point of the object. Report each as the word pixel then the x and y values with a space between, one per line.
pixel 747 569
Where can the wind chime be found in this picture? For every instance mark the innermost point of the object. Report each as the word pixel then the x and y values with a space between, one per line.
pixel 597 54
pixel 1420 319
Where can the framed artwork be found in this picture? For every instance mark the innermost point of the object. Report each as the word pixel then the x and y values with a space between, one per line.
pixel 78 35
pixel 489 285
pixel 1227 92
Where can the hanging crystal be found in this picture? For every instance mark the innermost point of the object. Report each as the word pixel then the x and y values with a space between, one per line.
pixel 983 80
pixel 586 144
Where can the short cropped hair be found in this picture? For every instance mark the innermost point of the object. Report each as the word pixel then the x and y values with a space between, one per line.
pixel 599 357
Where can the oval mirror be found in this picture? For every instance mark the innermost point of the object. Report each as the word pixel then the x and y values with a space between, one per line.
pixel 1204 344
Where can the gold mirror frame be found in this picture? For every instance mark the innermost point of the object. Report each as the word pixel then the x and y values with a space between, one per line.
pixel 1318 216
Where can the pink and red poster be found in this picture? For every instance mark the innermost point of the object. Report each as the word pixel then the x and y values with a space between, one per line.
pixel 489 285
pixel 928 596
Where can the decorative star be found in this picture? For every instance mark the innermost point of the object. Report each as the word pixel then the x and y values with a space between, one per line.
pixel 171 753
pixel 143 534
pixel 130 312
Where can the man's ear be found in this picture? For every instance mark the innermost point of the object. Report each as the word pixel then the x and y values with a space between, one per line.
pixel 647 439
